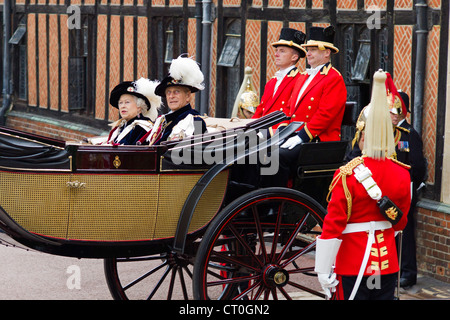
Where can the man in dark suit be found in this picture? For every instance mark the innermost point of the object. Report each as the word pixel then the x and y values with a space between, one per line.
pixel 409 149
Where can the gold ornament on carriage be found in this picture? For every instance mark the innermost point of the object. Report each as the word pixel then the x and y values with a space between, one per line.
pixel 117 162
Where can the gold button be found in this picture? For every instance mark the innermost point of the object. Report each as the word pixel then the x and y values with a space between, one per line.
pixel 309 107
pixel 293 116
pixel 312 98
pixel 281 109
pixel 307 117
pixel 282 102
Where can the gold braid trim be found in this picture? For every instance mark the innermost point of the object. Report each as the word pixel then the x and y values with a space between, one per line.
pixel 404 165
pixel 344 171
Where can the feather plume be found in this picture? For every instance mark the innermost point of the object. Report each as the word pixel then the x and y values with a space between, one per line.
pixel 147 88
pixel 379 137
pixel 187 71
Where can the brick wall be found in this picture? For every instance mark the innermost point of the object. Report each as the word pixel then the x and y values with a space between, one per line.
pixel 433 239
pixel 56 129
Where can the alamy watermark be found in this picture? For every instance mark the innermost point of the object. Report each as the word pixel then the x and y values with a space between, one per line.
pixel 74 279
pixel 374 20
pixel 74 19
pixel 230 147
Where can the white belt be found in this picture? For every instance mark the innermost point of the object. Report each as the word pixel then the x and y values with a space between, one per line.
pixel 371 227
pixel 367 226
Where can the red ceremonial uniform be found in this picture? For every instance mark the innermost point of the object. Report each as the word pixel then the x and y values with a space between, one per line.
pixel 321 105
pixel 271 102
pixel 394 181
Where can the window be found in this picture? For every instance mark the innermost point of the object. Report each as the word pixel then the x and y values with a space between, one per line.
pixel 78 54
pixel 18 40
pixel 230 51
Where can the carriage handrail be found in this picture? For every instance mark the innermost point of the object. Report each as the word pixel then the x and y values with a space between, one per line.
pixel 197 191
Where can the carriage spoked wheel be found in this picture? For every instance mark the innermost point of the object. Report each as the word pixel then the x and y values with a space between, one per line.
pixel 261 247
pixel 163 276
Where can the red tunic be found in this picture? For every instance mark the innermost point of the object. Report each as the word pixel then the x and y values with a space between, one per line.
pixel 394 181
pixel 271 102
pixel 321 105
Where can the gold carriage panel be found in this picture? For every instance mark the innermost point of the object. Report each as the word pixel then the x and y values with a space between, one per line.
pixel 106 207
pixel 113 207
pixel 174 190
pixel 39 203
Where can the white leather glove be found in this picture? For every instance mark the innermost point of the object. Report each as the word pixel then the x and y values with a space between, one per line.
pixel 326 251
pixel 328 283
pixel 292 142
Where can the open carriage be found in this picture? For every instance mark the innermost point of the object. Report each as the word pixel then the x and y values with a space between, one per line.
pixel 164 225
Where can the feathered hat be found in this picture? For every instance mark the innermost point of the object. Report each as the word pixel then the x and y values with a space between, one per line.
pixel 185 72
pixel 378 138
pixel 142 88
pixel 395 101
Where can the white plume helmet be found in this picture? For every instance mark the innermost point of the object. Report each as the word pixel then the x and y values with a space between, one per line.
pixel 147 88
pixel 379 137
pixel 187 72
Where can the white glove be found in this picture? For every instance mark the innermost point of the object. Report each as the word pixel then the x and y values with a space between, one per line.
pixel 326 251
pixel 292 142
pixel 328 283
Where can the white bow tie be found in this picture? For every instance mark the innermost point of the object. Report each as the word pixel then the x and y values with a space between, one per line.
pixel 279 75
pixel 313 71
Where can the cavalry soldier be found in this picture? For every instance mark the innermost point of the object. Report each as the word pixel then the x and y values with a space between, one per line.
pixel 368 198
pixel 288 52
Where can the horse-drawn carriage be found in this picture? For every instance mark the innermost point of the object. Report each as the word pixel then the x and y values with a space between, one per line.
pixel 162 224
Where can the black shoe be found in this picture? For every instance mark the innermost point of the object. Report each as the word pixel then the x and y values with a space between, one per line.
pixel 406 283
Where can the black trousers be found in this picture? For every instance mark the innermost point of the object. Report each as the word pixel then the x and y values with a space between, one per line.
pixel 370 288
pixel 409 263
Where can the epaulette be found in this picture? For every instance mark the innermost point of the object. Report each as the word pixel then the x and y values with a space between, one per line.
pixel 402 129
pixel 337 71
pixel 326 69
pixel 347 169
pixel 344 171
pixel 293 73
pixel 401 164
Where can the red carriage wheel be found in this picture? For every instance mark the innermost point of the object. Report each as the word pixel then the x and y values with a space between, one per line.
pixel 261 247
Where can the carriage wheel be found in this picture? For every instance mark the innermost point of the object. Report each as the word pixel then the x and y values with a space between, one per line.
pixel 164 276
pixel 261 247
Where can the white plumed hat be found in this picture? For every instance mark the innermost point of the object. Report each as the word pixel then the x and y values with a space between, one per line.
pixel 379 135
pixel 142 88
pixel 183 72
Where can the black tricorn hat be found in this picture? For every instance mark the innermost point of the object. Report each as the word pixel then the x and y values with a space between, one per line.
pixel 292 38
pixel 322 38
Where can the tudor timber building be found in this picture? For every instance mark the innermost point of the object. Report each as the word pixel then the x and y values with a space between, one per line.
pixel 61 58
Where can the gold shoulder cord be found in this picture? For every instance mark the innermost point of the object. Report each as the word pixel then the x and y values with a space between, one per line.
pixel 344 171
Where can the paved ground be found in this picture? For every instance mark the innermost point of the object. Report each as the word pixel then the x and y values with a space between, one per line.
pixel 30 275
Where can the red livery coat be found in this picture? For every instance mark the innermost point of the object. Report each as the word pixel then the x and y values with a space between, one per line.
pixel 394 181
pixel 271 102
pixel 321 105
